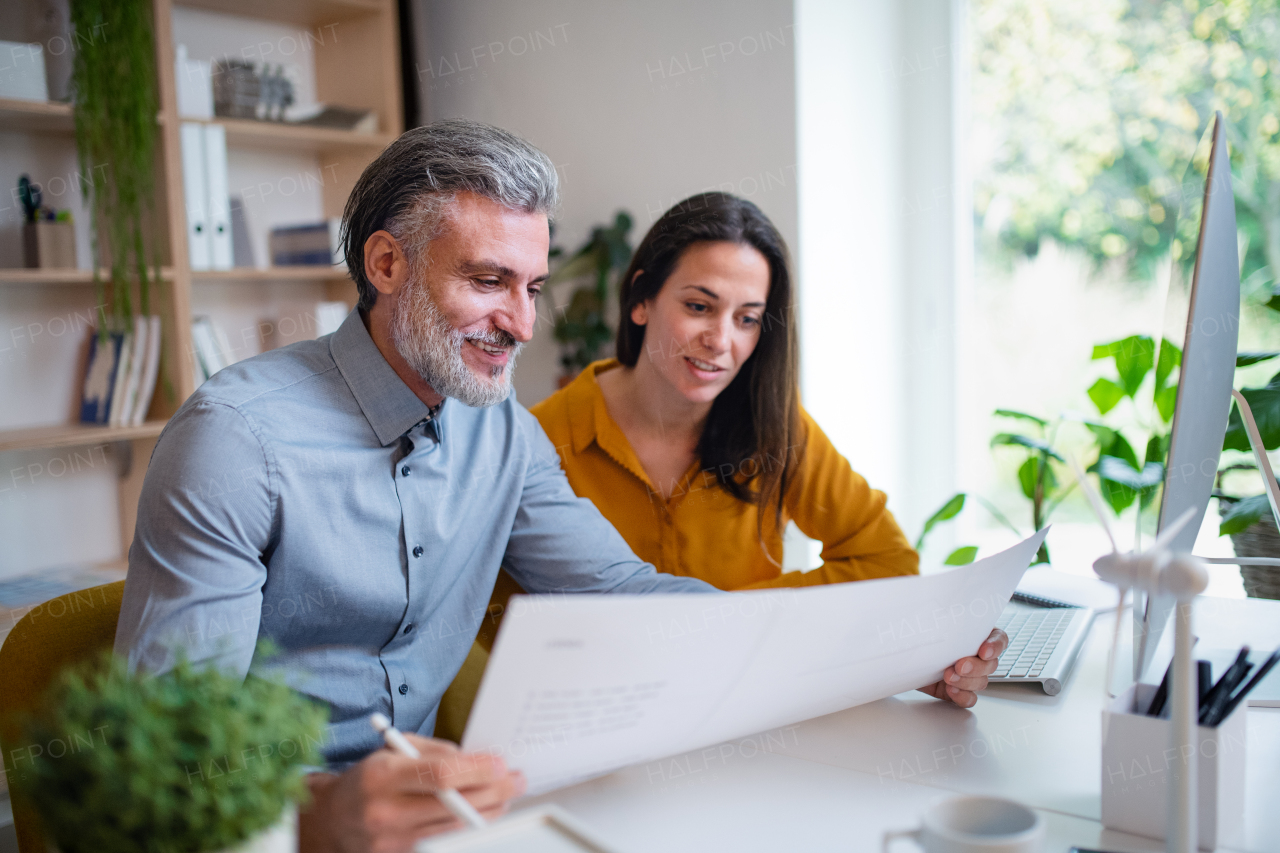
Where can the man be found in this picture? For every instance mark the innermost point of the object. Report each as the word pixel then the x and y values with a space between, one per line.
pixel 352 498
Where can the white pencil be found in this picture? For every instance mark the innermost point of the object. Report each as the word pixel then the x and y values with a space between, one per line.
pixel 448 797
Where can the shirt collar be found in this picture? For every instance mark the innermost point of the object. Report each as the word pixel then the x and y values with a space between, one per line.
pixel 589 419
pixel 391 408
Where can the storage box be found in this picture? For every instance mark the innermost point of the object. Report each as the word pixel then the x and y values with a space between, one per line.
pixel 49 245
pixel 1139 765
pixel 22 71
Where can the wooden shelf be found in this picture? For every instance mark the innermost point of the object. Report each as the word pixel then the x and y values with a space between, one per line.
pixel 61 277
pixel 307 12
pixel 287 274
pixel 271 135
pixel 74 435
pixel 38 116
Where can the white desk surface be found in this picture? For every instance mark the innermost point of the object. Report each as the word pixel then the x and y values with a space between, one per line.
pixel 837 782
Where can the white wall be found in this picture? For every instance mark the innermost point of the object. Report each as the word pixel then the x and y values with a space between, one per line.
pixel 638 104
pixel 877 129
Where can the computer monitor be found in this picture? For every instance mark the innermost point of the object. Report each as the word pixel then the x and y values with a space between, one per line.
pixel 1204 387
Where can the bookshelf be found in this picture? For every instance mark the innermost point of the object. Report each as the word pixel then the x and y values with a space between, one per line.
pixel 355 61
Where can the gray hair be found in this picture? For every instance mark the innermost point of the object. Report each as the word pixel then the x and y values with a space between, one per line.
pixel 407 190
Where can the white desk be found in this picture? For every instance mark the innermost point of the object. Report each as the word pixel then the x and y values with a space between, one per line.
pixel 837 782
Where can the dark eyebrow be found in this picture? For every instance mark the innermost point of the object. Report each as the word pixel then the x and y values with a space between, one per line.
pixel 473 267
pixel 716 296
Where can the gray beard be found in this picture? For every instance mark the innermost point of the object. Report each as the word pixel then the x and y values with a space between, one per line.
pixel 433 348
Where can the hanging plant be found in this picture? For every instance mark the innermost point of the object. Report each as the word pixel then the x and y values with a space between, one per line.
pixel 114 86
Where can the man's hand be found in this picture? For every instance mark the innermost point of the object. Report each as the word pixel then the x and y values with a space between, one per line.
pixel 385 803
pixel 964 678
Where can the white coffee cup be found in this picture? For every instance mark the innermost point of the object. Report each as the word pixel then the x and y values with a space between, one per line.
pixel 975 825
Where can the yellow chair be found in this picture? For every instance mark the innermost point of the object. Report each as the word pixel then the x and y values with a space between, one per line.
pixel 62 631
pixel 455 705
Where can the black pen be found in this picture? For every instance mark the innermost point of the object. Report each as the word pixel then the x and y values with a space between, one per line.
pixel 1221 691
pixel 1244 691
pixel 1204 679
pixel 1162 694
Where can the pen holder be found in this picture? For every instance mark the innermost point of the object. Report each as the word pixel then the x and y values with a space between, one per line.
pixel 1139 765
pixel 49 245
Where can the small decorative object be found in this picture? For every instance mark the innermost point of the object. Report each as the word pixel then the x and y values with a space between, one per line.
pixel 236 89
pixel 48 237
pixel 276 93
pixel 190 760
pixel 582 327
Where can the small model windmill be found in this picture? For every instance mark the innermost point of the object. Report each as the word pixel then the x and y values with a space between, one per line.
pixel 1156 571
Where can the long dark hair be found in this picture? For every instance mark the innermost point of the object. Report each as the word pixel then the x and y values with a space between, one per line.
pixel 752 439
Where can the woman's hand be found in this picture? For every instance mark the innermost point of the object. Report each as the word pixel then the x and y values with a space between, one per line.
pixel 963 679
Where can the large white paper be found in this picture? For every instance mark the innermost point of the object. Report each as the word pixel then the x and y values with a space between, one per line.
pixel 580 685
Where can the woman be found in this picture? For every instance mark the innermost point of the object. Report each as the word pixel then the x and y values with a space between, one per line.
pixel 692 442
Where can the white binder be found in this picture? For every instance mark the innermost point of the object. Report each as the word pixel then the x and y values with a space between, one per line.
pixel 196 190
pixel 219 199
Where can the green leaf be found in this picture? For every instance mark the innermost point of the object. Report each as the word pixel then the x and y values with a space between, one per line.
pixel 1244 514
pixel 1122 483
pixel 1117 470
pixel 1265 404
pixel 948 511
pixel 1244 359
pixel 1029 471
pixel 1105 394
pixel 1166 402
pixel 1010 413
pixel 1169 358
pixel 1111 443
pixel 1008 438
pixel 961 556
pixel 1156 451
pixel 1134 357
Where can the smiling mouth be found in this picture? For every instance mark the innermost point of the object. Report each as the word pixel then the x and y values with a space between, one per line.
pixel 704 366
pixel 491 349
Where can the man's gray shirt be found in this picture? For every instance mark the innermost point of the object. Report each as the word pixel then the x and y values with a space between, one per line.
pixel 305 496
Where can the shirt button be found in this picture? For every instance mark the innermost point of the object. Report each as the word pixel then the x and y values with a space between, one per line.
pixel 417 550
pixel 404 472
pixel 408 628
pixel 404 688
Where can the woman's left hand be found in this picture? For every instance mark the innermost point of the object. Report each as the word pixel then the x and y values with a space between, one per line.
pixel 963 679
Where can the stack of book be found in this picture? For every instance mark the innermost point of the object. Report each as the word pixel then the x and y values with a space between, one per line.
pixel 120 374
pixel 212 349
pixel 305 245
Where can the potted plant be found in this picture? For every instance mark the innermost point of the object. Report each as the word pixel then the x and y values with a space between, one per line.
pixel 1124 477
pixel 582 327
pixel 114 88
pixel 1248 519
pixel 192 760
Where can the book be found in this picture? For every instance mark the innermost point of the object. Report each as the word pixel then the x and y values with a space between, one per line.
pixel 150 372
pixel 209 343
pixel 315 243
pixel 195 193
pixel 119 387
pixel 122 414
pixel 217 196
pixel 241 246
pixel 100 372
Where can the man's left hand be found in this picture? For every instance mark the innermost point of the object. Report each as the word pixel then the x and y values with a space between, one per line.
pixel 963 679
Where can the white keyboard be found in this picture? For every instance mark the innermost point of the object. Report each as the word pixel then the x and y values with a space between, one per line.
pixel 1043 643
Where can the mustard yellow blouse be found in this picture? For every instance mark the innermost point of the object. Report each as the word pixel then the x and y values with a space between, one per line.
pixel 704 532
